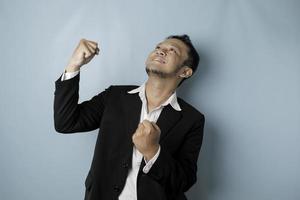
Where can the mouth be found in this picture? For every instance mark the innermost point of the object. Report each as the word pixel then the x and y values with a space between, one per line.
pixel 160 60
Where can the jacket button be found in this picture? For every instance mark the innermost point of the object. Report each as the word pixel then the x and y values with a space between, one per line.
pixel 125 165
pixel 116 188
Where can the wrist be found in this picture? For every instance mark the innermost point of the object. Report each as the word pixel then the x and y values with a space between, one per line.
pixel 151 153
pixel 72 68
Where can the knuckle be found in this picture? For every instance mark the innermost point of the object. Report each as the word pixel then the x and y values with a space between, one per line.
pixel 133 136
pixel 148 131
pixel 158 129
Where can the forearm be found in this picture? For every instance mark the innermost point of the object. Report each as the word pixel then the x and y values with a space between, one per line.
pixel 65 103
pixel 71 117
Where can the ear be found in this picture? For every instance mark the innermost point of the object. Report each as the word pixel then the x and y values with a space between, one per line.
pixel 186 72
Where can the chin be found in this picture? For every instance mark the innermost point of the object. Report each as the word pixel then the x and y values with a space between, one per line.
pixel 155 65
pixel 152 71
pixel 154 68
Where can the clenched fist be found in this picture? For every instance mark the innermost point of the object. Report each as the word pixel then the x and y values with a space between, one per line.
pixel 146 138
pixel 84 53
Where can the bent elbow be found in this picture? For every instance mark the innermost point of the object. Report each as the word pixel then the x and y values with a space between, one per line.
pixel 60 129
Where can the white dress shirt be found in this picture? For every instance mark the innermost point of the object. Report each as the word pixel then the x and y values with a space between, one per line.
pixel 129 191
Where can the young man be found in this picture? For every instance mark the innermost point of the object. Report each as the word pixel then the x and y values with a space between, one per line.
pixel 149 140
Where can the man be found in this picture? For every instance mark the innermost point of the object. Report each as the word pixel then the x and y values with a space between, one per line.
pixel 149 140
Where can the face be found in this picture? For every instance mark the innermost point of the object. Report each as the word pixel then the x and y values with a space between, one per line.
pixel 167 58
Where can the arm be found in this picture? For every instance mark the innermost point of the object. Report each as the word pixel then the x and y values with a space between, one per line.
pixel 71 117
pixel 178 174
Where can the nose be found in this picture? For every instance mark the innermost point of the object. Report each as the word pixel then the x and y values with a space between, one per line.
pixel 161 52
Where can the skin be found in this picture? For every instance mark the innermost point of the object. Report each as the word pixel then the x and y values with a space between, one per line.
pixel 165 70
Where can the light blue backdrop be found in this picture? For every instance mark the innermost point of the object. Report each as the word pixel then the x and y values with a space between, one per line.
pixel 247 85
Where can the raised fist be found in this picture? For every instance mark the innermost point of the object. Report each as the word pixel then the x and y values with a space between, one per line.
pixel 84 53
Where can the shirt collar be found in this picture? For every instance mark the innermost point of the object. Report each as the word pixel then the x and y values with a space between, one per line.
pixel 172 100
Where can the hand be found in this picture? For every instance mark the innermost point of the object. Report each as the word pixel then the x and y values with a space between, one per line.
pixel 84 53
pixel 146 138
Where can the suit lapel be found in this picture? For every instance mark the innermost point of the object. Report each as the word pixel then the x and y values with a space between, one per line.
pixel 167 119
pixel 133 106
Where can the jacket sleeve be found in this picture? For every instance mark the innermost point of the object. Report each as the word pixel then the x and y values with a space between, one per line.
pixel 178 173
pixel 71 117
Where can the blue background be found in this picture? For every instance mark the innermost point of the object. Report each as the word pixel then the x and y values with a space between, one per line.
pixel 247 85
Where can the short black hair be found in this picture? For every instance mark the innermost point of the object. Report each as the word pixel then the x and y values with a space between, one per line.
pixel 193 57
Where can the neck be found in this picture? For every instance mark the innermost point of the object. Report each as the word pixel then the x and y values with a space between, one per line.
pixel 159 90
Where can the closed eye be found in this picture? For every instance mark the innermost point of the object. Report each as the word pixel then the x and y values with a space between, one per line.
pixel 173 50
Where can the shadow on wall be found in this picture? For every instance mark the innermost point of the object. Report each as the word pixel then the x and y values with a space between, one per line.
pixel 207 175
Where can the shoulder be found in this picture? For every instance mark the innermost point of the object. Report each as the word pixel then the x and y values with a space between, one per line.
pixel 190 111
pixel 119 90
pixel 122 88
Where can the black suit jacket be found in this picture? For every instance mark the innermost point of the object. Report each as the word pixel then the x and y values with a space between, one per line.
pixel 116 113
